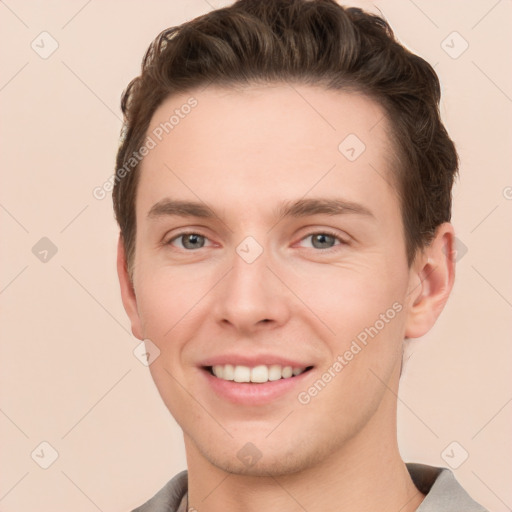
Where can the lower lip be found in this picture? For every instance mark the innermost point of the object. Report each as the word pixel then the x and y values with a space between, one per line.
pixel 249 393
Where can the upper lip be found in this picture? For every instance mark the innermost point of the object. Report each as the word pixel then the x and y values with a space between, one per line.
pixel 251 361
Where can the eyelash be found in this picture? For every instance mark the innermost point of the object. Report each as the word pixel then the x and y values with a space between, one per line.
pixel 322 232
pixel 185 233
pixel 328 233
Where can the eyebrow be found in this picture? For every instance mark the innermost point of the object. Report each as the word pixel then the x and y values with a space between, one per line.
pixel 298 208
pixel 325 206
pixel 168 207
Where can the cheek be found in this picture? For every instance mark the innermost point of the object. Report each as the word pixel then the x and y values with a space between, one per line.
pixel 367 318
pixel 354 301
pixel 167 300
pixel 365 322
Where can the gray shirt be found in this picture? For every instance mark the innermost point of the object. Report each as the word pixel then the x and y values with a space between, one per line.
pixel 443 492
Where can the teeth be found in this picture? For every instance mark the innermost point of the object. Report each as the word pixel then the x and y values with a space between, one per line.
pixel 274 372
pixel 228 371
pixel 287 372
pixel 242 374
pixel 260 374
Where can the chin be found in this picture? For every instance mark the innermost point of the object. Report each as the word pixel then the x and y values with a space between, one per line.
pixel 266 461
pixel 263 468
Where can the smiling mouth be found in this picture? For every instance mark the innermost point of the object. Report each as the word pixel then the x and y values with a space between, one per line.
pixel 255 375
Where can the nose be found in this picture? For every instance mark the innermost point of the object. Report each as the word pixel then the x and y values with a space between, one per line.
pixel 252 297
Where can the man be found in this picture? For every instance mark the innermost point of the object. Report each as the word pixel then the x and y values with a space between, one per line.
pixel 283 191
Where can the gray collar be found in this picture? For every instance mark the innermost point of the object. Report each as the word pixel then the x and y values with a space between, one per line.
pixel 443 492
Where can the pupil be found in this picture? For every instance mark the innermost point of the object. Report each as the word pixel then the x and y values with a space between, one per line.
pixel 323 239
pixel 192 241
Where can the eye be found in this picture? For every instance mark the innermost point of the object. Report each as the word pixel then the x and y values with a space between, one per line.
pixel 324 240
pixel 189 241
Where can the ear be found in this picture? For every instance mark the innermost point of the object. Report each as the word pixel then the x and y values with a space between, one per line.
pixel 128 291
pixel 431 280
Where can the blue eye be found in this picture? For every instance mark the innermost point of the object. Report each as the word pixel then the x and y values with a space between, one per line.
pixel 190 241
pixel 324 240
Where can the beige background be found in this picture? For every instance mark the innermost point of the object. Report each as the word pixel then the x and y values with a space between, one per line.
pixel 69 376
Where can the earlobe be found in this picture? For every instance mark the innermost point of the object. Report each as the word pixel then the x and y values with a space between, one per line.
pixel 431 281
pixel 127 291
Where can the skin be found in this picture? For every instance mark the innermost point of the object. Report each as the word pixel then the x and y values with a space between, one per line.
pixel 242 152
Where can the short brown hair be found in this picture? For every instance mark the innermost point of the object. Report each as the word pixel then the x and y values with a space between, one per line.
pixel 315 42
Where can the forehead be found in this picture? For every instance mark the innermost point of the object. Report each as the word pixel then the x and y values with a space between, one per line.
pixel 267 142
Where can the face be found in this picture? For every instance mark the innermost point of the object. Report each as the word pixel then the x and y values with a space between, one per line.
pixel 270 242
